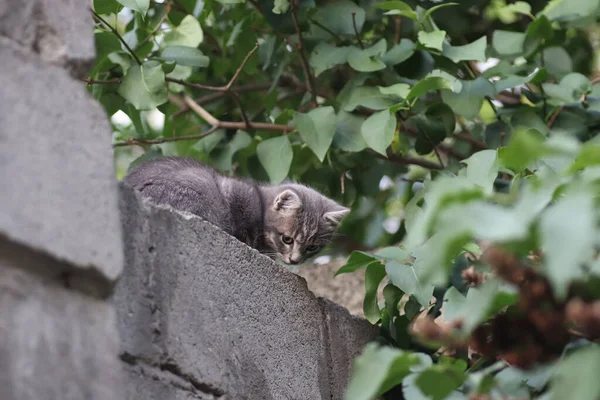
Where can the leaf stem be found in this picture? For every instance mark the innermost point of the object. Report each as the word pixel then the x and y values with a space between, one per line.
pixel 113 30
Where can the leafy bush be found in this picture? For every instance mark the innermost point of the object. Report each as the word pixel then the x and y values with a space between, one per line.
pixel 479 115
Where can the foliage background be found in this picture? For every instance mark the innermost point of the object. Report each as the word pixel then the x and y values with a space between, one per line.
pixel 463 136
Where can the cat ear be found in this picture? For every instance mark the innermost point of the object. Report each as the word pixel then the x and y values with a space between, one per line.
pixel 287 200
pixel 335 217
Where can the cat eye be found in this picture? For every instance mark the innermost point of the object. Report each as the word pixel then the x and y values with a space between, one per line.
pixel 312 247
pixel 287 239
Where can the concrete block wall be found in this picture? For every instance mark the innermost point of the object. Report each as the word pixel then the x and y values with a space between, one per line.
pixel 103 296
pixel 203 315
pixel 60 231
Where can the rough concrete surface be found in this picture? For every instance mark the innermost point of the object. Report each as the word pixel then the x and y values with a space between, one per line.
pixel 56 164
pixel 55 344
pixel 58 31
pixel 201 305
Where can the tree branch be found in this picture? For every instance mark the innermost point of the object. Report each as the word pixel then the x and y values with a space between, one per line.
pixel 90 81
pixel 398 159
pixel 360 42
pixel 300 48
pixel 134 142
pixel 465 137
pixel 113 30
pixel 157 27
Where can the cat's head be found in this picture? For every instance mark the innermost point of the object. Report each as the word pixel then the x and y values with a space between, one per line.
pixel 299 222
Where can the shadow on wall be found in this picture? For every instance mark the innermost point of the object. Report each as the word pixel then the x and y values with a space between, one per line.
pixel 200 312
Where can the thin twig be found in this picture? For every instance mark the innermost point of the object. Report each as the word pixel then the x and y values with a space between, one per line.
pixel 398 159
pixel 360 42
pixel 113 30
pixel 554 116
pixel 225 88
pixel 326 29
pixel 238 102
pixel 465 137
pixel 398 26
pixel 90 81
pixel 303 61
pixel 134 142
pixel 157 27
pixel 242 65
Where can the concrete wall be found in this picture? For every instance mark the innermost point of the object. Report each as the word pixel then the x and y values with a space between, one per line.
pixel 60 231
pixel 105 297
pixel 201 314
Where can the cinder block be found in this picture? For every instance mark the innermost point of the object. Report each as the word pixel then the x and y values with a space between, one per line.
pixel 59 31
pixel 56 167
pixel 55 344
pixel 346 336
pixel 196 301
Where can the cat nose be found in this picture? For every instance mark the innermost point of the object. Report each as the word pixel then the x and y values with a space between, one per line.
pixel 294 262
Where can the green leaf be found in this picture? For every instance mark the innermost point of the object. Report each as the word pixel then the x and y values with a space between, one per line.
pixel 396 7
pixel 587 157
pixel 374 274
pixel 144 86
pixel 140 6
pixel 570 89
pixel 281 6
pixel 558 60
pixel 326 56
pixel 563 10
pixel 317 128
pixel 393 253
pixel 179 72
pixel 434 8
pixel 276 155
pixel 240 141
pixel 369 97
pixel 107 7
pixel 434 125
pixel 575 376
pixel 473 51
pixel 399 53
pixel 189 33
pixel 525 147
pixel 399 90
pixel 540 29
pixel 437 382
pixel 397 324
pixel 454 301
pixel 482 169
pixel 481 301
pixel 152 152
pixel 184 55
pixel 427 84
pixel 442 193
pixel 434 259
pixel 367 60
pixel 106 43
pixel 568 234
pixel 377 370
pixel 357 260
pixel 337 16
pixel 508 42
pixel 378 131
pixel 348 135
pixel 433 40
pixel 520 7
pixel 468 101
pixel 406 278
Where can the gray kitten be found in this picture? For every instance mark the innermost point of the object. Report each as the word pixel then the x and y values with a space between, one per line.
pixel 290 220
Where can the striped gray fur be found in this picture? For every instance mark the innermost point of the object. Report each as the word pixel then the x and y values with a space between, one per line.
pixel 290 221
